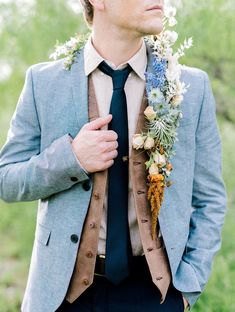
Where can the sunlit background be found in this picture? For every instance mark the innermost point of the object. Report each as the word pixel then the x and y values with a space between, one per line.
pixel 28 32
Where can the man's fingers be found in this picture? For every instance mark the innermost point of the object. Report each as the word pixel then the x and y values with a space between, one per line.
pixel 109 146
pixel 110 155
pixel 108 164
pixel 98 123
pixel 107 135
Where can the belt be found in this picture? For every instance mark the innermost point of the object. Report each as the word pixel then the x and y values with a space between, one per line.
pixel 100 265
pixel 138 267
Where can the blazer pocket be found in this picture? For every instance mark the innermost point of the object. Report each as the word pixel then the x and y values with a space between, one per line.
pixel 42 234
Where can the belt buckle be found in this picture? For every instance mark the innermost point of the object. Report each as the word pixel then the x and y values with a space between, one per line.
pixel 99 265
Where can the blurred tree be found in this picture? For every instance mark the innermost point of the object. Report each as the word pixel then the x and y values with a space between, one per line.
pixel 212 25
pixel 28 32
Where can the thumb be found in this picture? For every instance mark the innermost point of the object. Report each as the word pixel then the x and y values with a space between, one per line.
pixel 98 123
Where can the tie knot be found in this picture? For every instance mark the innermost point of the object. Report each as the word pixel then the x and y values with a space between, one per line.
pixel 118 76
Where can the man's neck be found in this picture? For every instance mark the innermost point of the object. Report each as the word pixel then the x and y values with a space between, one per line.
pixel 114 46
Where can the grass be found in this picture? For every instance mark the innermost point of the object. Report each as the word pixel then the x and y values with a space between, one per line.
pixel 17 223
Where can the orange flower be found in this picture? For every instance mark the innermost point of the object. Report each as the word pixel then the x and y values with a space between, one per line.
pixel 155 196
pixel 169 166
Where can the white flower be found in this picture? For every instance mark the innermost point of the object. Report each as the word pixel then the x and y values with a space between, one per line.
pixel 171 36
pixel 156 96
pixel 159 159
pixel 138 141
pixel 168 52
pixel 72 43
pixel 172 22
pixel 176 100
pixel 186 45
pixel 153 169
pixel 168 173
pixel 149 143
pixel 170 11
pixel 180 88
pixel 150 113
pixel 174 68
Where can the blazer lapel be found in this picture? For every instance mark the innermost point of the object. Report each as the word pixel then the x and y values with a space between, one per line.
pixel 79 82
pixel 150 58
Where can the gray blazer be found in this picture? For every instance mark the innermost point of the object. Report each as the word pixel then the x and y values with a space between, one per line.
pixel 37 162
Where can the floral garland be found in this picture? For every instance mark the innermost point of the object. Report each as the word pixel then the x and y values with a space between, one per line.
pixel 69 49
pixel 165 93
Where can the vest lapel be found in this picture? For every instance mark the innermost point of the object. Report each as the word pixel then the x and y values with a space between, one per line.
pixel 83 274
pixel 154 249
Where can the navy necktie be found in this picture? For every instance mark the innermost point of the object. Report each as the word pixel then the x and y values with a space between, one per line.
pixel 118 246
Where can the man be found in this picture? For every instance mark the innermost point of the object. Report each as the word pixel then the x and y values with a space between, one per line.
pixel 60 152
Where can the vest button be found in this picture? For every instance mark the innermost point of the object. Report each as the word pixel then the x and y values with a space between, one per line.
pixel 86 185
pixel 74 179
pixel 159 278
pixel 74 238
pixel 144 220
pixel 89 254
pixel 92 225
pixel 97 196
pixel 85 281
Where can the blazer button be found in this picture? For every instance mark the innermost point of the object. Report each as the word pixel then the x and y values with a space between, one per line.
pixel 74 238
pixel 86 185
pixel 74 179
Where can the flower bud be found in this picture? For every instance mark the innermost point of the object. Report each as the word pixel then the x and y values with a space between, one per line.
pixel 169 166
pixel 171 36
pixel 176 100
pixel 150 113
pixel 159 159
pixel 153 169
pixel 138 141
pixel 149 143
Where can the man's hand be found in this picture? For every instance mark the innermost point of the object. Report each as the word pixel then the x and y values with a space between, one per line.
pixel 96 149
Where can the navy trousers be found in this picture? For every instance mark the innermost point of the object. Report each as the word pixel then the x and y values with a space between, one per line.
pixel 135 294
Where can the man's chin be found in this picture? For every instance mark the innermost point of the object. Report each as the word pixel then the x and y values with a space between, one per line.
pixel 151 30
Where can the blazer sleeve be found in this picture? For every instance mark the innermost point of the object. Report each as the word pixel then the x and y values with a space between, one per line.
pixel 208 197
pixel 25 173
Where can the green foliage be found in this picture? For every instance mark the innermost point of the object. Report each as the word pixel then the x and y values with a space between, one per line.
pixel 28 36
pixel 212 25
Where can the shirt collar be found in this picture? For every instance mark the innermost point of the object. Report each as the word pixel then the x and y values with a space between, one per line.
pixel 92 59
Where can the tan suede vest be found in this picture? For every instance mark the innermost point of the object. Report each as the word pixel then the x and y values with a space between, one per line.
pixel 154 250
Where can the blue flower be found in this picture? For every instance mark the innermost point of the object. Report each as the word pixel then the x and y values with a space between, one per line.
pixel 156 79
pixel 159 66
pixel 162 109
